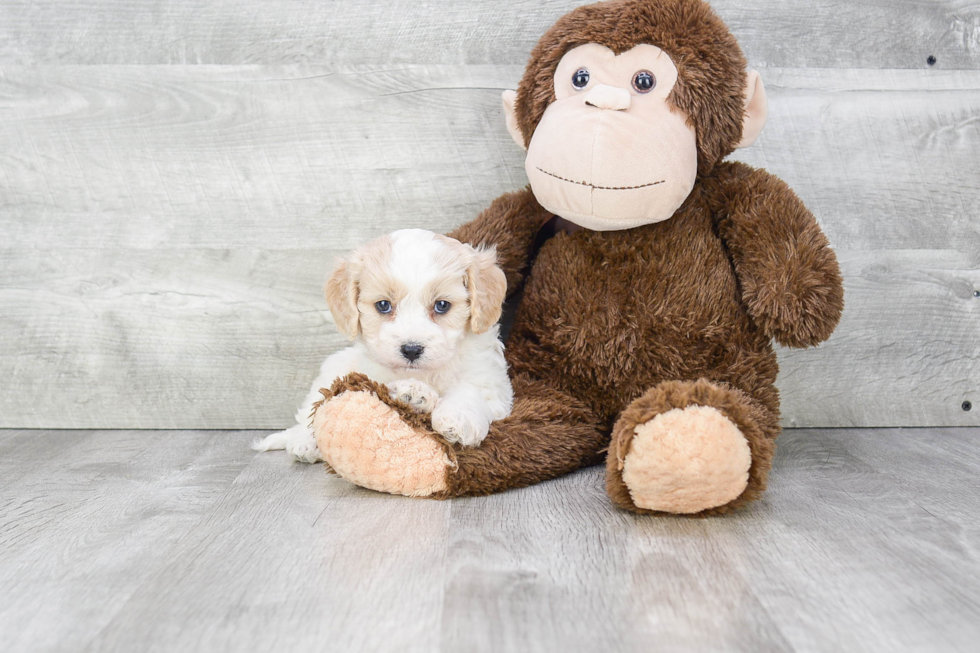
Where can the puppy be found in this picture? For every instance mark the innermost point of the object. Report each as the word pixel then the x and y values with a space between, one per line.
pixel 423 310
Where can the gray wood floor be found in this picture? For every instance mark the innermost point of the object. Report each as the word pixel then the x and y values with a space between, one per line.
pixel 186 540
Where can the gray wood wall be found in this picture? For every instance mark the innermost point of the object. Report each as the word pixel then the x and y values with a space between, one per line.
pixel 176 178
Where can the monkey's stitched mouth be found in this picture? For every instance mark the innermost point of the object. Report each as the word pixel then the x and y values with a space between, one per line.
pixel 582 183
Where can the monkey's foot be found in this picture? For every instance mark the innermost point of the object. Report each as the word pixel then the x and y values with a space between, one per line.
pixel 687 448
pixel 377 442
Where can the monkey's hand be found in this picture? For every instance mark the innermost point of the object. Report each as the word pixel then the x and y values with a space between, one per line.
pixel 788 273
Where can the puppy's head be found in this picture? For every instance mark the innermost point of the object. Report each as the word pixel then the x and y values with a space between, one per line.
pixel 411 296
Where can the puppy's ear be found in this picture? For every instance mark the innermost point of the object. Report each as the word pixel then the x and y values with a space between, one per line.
pixel 341 294
pixel 488 287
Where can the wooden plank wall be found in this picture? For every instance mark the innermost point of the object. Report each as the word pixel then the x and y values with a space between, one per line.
pixel 175 179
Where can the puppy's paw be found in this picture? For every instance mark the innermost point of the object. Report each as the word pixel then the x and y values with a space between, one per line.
pixel 419 396
pixel 467 428
pixel 303 448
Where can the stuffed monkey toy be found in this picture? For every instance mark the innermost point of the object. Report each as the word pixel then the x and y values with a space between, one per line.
pixel 655 277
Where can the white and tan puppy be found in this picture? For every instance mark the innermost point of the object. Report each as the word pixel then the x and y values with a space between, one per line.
pixel 423 310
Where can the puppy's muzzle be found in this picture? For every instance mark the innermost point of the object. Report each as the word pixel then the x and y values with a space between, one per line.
pixel 412 350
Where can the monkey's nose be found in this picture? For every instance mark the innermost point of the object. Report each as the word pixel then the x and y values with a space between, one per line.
pixel 412 350
pixel 608 97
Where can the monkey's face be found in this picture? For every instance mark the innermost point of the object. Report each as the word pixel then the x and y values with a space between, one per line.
pixel 611 152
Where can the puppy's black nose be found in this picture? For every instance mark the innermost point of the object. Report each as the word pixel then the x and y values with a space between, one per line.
pixel 412 350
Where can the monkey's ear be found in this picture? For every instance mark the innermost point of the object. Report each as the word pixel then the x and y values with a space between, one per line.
pixel 756 109
pixel 510 113
pixel 341 294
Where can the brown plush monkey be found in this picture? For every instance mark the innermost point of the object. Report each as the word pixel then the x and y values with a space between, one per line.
pixel 643 338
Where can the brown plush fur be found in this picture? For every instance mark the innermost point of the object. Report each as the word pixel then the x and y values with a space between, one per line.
pixel 633 323
pixel 790 280
pixel 617 327
pixel 548 433
pixel 607 316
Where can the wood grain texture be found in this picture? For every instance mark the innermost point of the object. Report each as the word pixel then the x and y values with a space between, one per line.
pixel 294 559
pixel 166 338
pixel 165 229
pixel 818 34
pixel 87 516
pixel 230 157
pixel 162 541
pixel 907 351
pixel 300 156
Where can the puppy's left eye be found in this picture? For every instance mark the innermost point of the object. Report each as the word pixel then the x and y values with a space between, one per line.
pixel 442 306
pixel 384 306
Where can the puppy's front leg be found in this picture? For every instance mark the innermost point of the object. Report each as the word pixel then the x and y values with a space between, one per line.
pixel 463 415
pixel 302 445
pixel 420 396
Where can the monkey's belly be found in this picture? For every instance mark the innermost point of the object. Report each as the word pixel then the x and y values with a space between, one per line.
pixel 604 322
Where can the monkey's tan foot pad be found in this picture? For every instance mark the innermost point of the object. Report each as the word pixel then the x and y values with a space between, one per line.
pixel 686 460
pixel 379 444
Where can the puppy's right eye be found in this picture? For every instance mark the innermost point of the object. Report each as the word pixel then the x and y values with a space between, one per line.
pixel 384 306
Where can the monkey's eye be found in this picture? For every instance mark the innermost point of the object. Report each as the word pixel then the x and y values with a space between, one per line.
pixel 581 78
pixel 644 81
pixel 384 306
pixel 442 306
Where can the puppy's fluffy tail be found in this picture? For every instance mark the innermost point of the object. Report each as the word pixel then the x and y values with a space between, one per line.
pixel 273 441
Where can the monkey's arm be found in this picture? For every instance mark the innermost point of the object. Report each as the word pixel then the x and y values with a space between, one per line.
pixel 510 223
pixel 789 275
